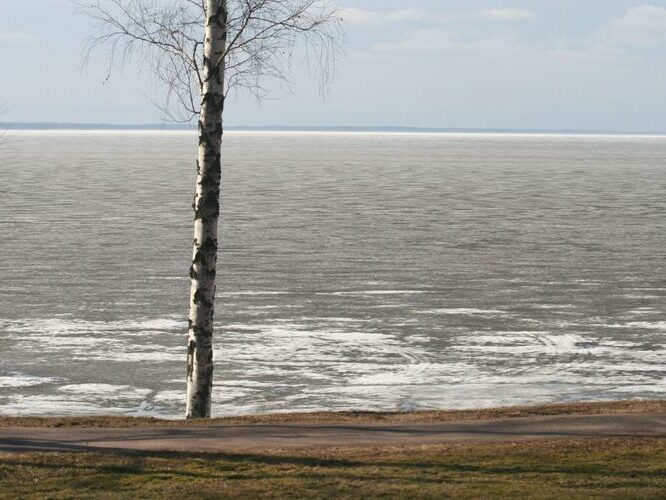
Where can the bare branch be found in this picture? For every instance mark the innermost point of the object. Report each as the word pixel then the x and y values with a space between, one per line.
pixel 166 36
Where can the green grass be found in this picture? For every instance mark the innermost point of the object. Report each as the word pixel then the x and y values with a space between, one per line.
pixel 602 468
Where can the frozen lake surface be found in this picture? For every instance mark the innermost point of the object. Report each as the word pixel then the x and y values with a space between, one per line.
pixel 364 271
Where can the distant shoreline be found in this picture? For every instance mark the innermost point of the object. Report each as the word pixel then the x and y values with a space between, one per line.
pixel 66 127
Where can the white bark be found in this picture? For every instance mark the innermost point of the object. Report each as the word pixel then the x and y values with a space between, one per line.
pixel 206 210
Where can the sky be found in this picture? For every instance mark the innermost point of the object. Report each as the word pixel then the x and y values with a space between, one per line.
pixel 488 64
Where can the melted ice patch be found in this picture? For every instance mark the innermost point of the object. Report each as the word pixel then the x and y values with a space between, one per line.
pixel 361 293
pixel 523 342
pixel 341 362
pixel 555 307
pixel 17 381
pixel 643 325
pixel 57 326
pixel 105 391
pixel 464 311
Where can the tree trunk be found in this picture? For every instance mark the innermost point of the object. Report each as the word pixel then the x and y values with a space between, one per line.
pixel 206 212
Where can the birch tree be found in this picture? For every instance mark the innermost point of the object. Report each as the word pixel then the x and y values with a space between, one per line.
pixel 200 51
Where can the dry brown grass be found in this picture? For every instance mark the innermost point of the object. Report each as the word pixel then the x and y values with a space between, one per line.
pixel 602 468
pixel 638 406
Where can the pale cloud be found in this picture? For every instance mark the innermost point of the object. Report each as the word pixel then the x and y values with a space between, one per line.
pixel 643 26
pixel 492 80
pixel 17 37
pixel 433 40
pixel 362 16
pixel 407 15
pixel 506 14
pixel 422 40
pixel 441 63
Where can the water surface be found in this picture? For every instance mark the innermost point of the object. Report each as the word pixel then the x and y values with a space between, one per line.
pixel 365 271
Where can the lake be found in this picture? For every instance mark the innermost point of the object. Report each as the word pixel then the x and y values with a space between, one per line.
pixel 357 271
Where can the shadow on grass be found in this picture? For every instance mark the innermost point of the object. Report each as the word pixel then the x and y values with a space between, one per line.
pixel 249 465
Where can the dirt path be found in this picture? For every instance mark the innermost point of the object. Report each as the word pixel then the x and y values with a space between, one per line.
pixel 236 438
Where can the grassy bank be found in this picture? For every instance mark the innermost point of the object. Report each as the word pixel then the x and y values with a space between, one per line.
pixel 638 406
pixel 609 468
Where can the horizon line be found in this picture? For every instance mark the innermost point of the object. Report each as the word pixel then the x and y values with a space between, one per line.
pixel 64 126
